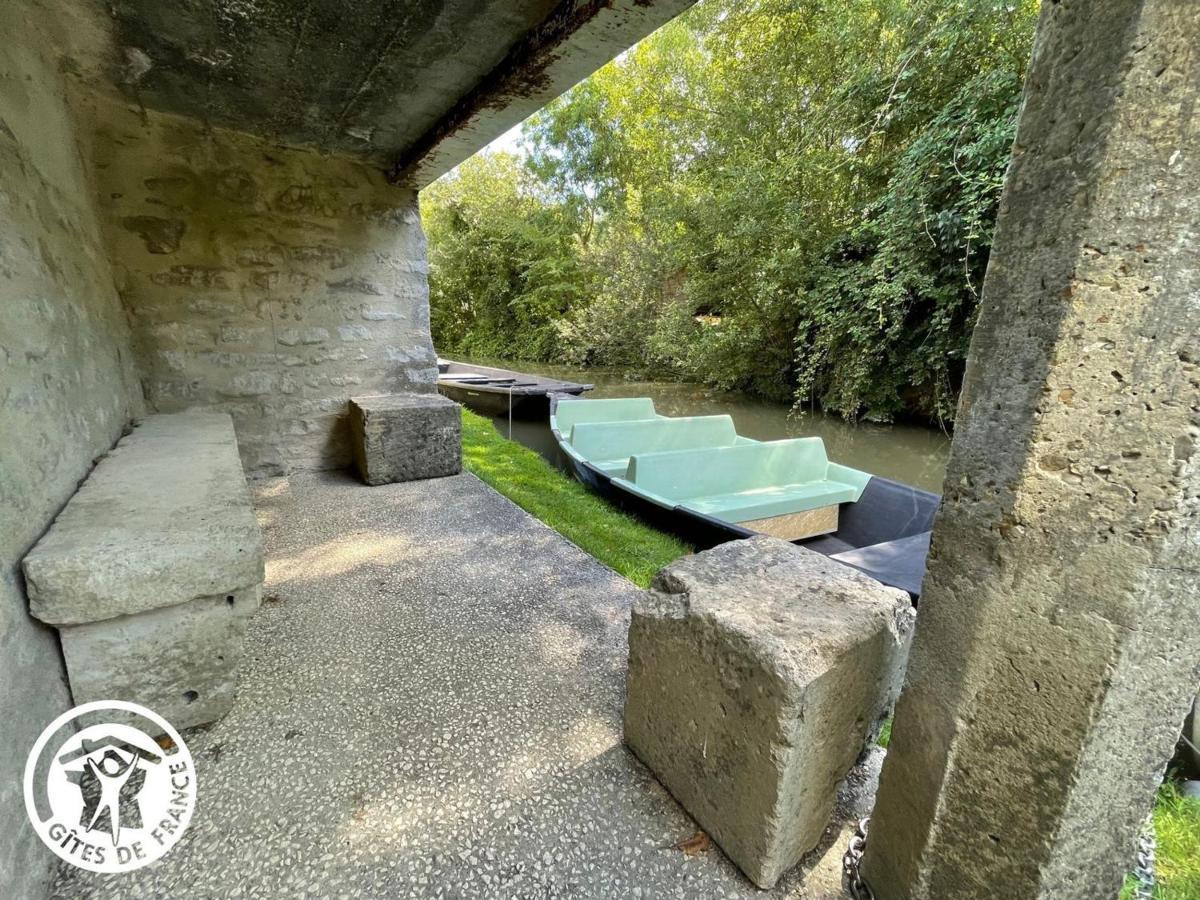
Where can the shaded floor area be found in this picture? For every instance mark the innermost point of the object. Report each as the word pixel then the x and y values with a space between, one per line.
pixel 430 706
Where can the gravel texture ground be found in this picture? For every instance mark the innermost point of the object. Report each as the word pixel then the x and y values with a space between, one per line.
pixel 430 706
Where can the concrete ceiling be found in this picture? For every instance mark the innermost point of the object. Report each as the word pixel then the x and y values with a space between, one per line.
pixel 415 86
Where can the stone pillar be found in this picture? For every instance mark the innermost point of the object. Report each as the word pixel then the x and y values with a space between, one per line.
pixel 1059 633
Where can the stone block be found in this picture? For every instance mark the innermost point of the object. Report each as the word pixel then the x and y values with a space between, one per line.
pixel 165 517
pixel 756 672
pixel 405 437
pixel 152 570
pixel 180 661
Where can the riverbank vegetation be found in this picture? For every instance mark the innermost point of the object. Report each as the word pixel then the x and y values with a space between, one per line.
pixel 1177 829
pixel 619 541
pixel 1177 856
pixel 790 199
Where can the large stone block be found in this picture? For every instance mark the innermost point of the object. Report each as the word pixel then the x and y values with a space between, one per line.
pixel 756 672
pixel 406 437
pixel 180 661
pixel 164 518
pixel 153 569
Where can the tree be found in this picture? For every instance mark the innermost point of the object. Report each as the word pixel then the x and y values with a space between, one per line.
pixel 788 197
pixel 504 262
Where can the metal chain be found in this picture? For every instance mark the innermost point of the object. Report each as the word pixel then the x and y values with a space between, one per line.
pixel 1143 870
pixel 852 860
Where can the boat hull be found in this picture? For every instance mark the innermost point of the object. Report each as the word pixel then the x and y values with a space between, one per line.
pixel 494 402
pixel 887 511
pixel 495 392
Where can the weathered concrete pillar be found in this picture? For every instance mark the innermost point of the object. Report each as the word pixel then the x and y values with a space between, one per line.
pixel 1059 633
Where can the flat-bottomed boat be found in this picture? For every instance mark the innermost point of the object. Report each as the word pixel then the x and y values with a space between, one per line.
pixel 696 476
pixel 492 392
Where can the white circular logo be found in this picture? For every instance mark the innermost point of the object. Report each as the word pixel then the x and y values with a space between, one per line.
pixel 108 797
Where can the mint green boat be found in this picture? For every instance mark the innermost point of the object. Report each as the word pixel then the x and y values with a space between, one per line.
pixel 698 477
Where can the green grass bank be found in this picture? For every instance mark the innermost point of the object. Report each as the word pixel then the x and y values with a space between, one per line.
pixel 1177 863
pixel 1177 827
pixel 618 540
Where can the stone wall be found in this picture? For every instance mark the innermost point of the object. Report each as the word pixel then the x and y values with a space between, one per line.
pixel 268 282
pixel 67 389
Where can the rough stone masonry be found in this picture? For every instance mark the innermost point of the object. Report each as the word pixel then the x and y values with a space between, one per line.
pixel 757 670
pixel 266 282
pixel 67 387
pixel 1059 635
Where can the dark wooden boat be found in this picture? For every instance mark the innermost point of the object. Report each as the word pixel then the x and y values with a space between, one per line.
pixel 884 532
pixel 493 392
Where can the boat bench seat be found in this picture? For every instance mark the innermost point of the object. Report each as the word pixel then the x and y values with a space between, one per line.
pixel 608 445
pixel 743 506
pixel 745 482
pixel 571 412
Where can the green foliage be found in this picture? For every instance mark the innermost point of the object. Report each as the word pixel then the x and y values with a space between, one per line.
pixel 619 541
pixel 1177 863
pixel 504 267
pixel 1177 828
pixel 790 198
pixel 890 305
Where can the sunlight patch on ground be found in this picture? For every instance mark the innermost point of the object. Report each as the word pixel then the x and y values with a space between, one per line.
pixel 340 555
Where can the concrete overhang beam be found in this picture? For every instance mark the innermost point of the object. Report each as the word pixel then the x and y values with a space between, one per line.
pixel 568 46
pixel 411 86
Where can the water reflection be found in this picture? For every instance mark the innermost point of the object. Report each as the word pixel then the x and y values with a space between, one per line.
pixel 907 453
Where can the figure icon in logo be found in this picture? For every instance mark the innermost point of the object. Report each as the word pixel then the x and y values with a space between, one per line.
pixel 109 774
pixel 111 781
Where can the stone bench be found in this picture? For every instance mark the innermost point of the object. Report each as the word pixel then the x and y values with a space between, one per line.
pixel 406 437
pixel 757 670
pixel 152 570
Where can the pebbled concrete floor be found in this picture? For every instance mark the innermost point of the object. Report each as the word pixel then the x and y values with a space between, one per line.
pixel 430 706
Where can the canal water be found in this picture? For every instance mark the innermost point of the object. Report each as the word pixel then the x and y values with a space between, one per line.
pixel 908 453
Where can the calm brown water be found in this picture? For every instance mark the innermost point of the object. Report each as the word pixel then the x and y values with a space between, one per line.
pixel 908 453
